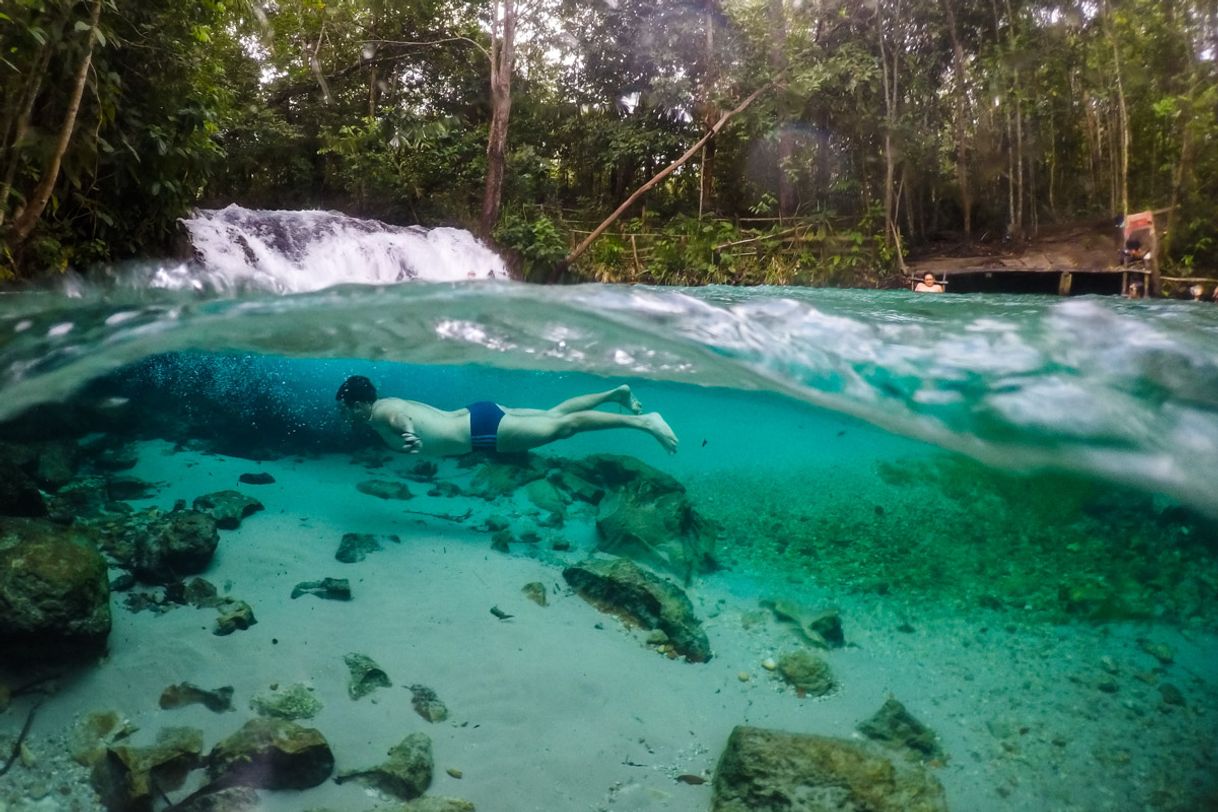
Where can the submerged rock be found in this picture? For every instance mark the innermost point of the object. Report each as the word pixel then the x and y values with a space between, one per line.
pixel 427 704
pixel 647 517
pixel 259 478
pixel 893 725
pixel 536 592
pixel 406 774
pixel 356 546
pixel 234 616
pixel 545 495
pixel 116 457
pixel 94 733
pixel 504 475
pixel 332 589
pixel 822 628
pixel 184 693
pixel 54 592
pixel 806 672
pixel 228 508
pixel 272 754
pixel 772 771
pixel 82 498
pixel 295 701
pixel 366 676
pixel 385 489
pixel 622 588
pixel 168 546
pixel 131 778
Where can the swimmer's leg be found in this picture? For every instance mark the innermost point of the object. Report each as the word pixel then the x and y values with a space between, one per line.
pixel 621 395
pixel 522 432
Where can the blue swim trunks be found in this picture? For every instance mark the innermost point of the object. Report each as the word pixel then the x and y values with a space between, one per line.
pixel 484 418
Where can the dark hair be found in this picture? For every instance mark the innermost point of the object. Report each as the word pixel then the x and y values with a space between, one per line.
pixel 356 389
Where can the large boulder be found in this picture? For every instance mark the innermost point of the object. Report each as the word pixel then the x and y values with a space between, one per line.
pixel 271 754
pixel 170 546
pixel 647 517
pixel 54 593
pixel 772 771
pixel 622 588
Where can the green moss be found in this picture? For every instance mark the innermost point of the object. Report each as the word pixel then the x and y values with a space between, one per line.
pixel 949 531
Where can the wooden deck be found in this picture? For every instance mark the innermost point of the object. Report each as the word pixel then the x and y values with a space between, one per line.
pixel 1036 273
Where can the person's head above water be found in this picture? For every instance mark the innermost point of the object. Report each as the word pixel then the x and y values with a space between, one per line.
pixel 356 391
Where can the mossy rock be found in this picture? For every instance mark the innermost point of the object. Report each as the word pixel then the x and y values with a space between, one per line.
pixel 54 593
pixel 774 771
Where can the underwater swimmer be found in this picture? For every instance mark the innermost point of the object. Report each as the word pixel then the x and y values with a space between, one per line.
pixel 417 428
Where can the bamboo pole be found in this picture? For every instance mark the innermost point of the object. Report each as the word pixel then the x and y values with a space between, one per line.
pixel 672 167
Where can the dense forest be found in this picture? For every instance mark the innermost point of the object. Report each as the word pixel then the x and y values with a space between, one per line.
pixel 851 132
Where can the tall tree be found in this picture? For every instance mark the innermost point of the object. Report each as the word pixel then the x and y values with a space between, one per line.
pixel 503 58
pixel 28 218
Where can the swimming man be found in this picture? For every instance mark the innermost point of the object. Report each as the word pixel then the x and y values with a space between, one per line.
pixel 416 428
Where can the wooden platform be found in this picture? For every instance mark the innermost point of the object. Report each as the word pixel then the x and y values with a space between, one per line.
pixel 1022 276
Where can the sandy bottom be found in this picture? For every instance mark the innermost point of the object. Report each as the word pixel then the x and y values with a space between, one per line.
pixel 561 708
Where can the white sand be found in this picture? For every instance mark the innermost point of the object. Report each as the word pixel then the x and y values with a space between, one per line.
pixel 550 712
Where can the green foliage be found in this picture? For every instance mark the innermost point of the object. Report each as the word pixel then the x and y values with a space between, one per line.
pixel 381 109
pixel 536 240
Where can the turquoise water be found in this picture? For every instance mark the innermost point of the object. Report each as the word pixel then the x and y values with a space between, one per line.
pixel 1046 469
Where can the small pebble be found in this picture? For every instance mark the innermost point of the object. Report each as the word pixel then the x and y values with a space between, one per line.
pixel 743 676
pixel 768 664
pixel 454 772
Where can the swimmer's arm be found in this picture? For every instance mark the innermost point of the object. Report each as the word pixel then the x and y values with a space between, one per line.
pixel 401 423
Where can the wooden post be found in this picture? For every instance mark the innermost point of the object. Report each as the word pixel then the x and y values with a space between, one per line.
pixel 1064 282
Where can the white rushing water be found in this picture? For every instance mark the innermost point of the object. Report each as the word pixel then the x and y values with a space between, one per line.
pixel 242 249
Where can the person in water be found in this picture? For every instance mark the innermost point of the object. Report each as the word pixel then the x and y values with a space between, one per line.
pixel 417 428
pixel 928 285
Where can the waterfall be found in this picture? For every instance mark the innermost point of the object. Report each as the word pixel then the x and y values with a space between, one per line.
pixel 299 251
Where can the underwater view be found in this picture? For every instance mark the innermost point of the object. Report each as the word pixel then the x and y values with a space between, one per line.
pixel 813 549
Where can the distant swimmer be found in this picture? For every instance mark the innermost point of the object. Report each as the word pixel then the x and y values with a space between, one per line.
pixel 417 428
pixel 928 285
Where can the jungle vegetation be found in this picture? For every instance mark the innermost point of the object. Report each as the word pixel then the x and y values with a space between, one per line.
pixel 848 132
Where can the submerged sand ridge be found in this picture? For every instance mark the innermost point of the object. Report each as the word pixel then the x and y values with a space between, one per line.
pixel 563 707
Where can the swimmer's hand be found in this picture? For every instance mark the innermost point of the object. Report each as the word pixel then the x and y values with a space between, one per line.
pixel 411 444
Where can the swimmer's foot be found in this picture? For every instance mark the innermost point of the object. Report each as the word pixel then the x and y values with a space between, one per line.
pixel 660 430
pixel 625 397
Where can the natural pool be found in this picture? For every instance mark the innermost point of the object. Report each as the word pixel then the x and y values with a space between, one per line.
pixel 1005 505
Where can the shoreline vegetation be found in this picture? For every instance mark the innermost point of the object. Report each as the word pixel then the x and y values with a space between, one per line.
pixel 727 141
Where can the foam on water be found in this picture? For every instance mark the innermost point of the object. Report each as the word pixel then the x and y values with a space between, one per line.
pixel 298 251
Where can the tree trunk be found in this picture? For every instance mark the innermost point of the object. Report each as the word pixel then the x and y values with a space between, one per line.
pixel 12 148
pixel 961 128
pixel 1122 110
pixel 668 170
pixel 891 95
pixel 1182 173
pixel 24 224
pixel 503 57
pixel 786 142
pixel 706 184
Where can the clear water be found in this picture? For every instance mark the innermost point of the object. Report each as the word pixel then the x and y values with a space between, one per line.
pixel 1011 500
